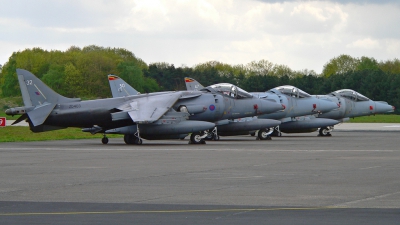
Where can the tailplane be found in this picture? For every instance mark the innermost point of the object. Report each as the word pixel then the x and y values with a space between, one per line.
pixel 192 84
pixel 119 88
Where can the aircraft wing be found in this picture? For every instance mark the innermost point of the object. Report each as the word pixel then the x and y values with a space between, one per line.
pixel 149 109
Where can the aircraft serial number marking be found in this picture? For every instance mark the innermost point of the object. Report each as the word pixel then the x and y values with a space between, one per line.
pixel 76 106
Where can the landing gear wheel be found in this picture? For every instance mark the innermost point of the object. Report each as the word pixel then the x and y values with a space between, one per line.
pixel 216 137
pixel 195 138
pixel 104 140
pixel 324 131
pixel 263 134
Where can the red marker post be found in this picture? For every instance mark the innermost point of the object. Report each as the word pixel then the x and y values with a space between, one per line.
pixel 3 121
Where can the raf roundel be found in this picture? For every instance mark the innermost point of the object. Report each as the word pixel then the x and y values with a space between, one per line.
pixel 212 107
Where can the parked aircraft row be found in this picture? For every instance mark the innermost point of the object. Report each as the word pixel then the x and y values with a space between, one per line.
pixel 204 112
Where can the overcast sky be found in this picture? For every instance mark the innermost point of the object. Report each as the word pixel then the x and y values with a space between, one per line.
pixel 299 34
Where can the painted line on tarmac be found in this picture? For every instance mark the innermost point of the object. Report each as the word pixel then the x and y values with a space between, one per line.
pixel 191 149
pixel 188 149
pixel 346 204
pixel 168 211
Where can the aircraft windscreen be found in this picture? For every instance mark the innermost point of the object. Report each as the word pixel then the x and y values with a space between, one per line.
pixel 293 91
pixel 231 90
pixel 352 95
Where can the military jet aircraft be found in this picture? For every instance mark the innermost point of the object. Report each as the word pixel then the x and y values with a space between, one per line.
pixel 233 97
pixel 160 115
pixel 352 104
pixel 295 101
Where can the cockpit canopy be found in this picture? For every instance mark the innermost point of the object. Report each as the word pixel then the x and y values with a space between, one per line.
pixel 350 94
pixel 230 90
pixel 293 91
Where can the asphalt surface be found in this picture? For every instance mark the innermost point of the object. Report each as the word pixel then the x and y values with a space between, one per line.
pixel 349 178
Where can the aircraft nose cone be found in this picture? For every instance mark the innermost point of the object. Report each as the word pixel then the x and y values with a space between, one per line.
pixel 325 105
pixel 383 107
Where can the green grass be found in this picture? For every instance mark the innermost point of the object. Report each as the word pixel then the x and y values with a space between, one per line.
pixel 381 118
pixel 21 134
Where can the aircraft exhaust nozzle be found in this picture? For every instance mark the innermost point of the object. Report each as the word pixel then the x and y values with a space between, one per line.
pixel 267 106
pixel 255 124
pixel 382 107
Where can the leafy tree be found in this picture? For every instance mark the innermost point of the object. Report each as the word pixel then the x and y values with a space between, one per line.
pixel 340 65
pixel 55 78
pixel 366 63
pixel 9 80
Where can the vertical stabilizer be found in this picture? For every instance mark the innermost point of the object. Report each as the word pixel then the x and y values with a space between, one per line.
pixel 35 92
pixel 192 84
pixel 119 88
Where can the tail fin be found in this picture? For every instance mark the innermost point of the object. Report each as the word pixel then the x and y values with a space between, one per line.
pixel 119 88
pixel 192 84
pixel 38 98
pixel 36 93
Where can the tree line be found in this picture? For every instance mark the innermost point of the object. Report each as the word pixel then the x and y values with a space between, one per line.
pixel 81 72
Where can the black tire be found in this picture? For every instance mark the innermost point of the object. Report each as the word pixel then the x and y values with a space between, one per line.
pixel 216 137
pixel 104 140
pixel 129 139
pixel 323 131
pixel 263 134
pixel 195 138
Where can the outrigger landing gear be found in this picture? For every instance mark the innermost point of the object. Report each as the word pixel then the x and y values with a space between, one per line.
pixel 104 140
pixel 325 131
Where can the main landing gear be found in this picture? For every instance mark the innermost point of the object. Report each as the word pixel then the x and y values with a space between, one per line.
pixel 198 137
pixel 264 134
pixel 325 131
pixel 212 135
pixel 132 139
pixel 276 132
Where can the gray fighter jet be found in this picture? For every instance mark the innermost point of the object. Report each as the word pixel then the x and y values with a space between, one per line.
pixel 295 101
pixel 160 115
pixel 351 104
pixel 231 96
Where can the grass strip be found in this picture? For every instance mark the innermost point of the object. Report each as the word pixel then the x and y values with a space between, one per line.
pixel 21 134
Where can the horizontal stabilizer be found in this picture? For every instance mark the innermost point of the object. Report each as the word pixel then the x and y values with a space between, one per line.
pixel 38 115
pixel 21 118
